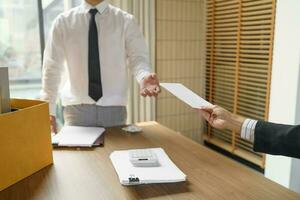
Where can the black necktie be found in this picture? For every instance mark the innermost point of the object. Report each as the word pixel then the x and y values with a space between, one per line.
pixel 95 85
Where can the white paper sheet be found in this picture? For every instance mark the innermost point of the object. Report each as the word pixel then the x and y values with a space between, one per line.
pixel 77 136
pixel 167 172
pixel 185 95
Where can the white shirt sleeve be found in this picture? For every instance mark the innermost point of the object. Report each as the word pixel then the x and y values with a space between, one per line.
pixel 248 129
pixel 52 67
pixel 137 51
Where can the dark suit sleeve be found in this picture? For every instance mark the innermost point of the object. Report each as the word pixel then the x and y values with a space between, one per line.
pixel 277 139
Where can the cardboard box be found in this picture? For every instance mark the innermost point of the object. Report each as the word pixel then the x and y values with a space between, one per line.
pixel 25 141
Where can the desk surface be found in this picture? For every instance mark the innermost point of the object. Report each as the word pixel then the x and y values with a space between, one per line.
pixel 89 174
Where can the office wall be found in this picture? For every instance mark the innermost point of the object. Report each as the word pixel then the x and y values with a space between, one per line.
pixel 180 50
pixel 285 86
pixel 295 167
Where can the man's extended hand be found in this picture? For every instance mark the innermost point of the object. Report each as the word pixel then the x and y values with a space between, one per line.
pixel 220 118
pixel 53 124
pixel 150 86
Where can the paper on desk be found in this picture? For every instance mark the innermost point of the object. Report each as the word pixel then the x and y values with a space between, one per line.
pixel 167 172
pixel 185 95
pixel 77 136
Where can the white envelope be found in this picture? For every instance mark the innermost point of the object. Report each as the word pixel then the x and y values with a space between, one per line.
pixel 186 95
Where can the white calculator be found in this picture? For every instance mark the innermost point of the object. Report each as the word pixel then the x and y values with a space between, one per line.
pixel 143 158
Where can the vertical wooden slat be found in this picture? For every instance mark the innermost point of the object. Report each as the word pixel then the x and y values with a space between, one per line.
pixel 211 61
pixel 237 69
pixel 267 107
pixel 155 52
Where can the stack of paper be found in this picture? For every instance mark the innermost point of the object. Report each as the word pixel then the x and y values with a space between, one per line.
pixel 77 136
pixel 167 172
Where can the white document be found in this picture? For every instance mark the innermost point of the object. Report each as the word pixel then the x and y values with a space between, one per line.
pixel 77 136
pixel 166 172
pixel 186 95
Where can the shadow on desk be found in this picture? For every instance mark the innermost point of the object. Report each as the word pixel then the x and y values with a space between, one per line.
pixel 74 149
pixel 36 183
pixel 160 190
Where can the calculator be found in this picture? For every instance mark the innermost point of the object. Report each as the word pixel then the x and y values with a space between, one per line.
pixel 143 158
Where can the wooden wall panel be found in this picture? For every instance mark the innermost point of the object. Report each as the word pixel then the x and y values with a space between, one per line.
pixel 180 57
pixel 238 64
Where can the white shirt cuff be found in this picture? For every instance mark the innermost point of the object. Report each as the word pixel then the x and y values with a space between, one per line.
pixel 142 75
pixel 52 109
pixel 248 129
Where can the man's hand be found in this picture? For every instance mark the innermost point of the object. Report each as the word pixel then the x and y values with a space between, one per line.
pixel 220 118
pixel 53 124
pixel 150 86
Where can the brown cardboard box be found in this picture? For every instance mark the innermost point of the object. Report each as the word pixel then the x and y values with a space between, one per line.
pixel 25 141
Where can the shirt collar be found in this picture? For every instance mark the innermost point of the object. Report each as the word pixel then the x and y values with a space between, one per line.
pixel 100 7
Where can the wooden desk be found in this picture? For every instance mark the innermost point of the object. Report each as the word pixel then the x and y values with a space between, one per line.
pixel 89 174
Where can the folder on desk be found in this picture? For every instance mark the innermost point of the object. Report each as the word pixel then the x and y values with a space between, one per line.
pixel 167 172
pixel 78 136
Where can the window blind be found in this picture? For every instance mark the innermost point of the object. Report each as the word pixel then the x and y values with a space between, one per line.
pixel 239 59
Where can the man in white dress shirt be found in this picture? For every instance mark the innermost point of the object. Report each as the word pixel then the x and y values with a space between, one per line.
pixel 97 42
